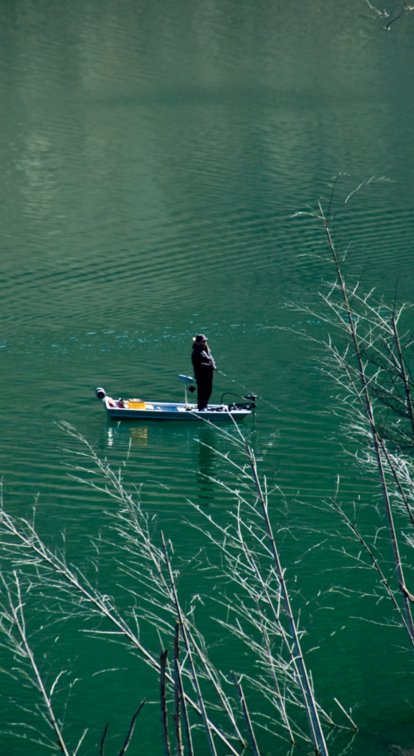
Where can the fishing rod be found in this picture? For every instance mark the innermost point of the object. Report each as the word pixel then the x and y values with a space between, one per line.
pixel 244 388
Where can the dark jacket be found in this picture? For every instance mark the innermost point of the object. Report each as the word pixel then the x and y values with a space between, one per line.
pixel 202 359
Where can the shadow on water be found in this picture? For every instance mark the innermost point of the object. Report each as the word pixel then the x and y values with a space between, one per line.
pixel 207 465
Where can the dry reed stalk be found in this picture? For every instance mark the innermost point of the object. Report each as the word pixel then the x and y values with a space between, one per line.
pixel 163 702
pixel 372 557
pixel 265 587
pixel 180 708
pixel 268 608
pixel 403 371
pixel 13 623
pixel 377 442
pixel 103 739
pixel 31 551
pixel 246 716
pixel 182 621
pixel 297 655
pixel 377 346
pixel 131 728
pixel 133 527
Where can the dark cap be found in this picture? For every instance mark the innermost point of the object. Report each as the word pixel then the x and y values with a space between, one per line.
pixel 199 338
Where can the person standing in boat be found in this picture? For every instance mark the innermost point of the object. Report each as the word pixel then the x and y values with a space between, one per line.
pixel 204 367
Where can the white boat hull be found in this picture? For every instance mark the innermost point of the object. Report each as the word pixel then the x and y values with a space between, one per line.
pixel 136 409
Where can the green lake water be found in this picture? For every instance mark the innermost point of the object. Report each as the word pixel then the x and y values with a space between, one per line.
pixel 153 156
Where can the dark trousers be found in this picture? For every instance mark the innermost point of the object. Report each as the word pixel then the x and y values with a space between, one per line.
pixel 204 387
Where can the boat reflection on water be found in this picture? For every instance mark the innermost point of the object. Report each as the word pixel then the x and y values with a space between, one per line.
pixel 169 453
pixel 138 434
pixel 207 464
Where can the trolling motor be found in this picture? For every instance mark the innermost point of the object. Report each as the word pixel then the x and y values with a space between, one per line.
pixel 250 402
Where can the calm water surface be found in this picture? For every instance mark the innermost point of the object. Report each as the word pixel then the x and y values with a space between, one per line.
pixel 152 158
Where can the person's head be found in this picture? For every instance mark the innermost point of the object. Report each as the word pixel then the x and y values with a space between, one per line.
pixel 200 340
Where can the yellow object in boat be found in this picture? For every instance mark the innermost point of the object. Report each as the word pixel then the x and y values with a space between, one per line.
pixel 135 404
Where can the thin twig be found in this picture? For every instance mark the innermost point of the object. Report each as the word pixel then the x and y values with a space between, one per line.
pixel 252 737
pixel 131 728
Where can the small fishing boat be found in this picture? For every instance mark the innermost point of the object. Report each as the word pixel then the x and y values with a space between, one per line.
pixel 139 409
